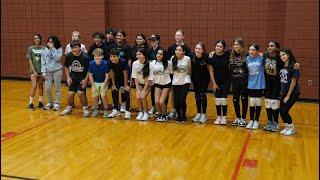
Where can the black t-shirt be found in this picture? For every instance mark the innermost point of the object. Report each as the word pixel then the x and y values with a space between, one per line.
pixel 200 73
pixel 220 65
pixel 238 67
pixel 78 65
pixel 125 50
pixel 134 51
pixel 118 70
pixel 109 46
pixel 103 46
pixel 273 65
pixel 172 49
pixel 285 79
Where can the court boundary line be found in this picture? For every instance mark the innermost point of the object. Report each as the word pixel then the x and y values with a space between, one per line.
pixel 241 157
pixel 17 177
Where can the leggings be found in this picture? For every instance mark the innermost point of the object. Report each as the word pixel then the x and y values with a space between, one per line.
pixel 115 98
pixel 180 93
pixel 285 108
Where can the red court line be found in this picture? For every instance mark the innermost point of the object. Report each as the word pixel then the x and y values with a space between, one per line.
pixel 241 156
pixel 28 129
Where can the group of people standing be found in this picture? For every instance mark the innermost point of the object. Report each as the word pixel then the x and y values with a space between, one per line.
pixel 111 63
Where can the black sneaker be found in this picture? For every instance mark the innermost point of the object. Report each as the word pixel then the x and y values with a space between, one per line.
pixel 31 107
pixel 184 119
pixel 40 105
pixel 178 119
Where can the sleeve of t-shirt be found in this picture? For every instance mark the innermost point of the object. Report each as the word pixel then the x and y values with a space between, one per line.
pixel 67 61
pixel 90 68
pixel 187 51
pixel 296 73
pixel 107 67
pixel 128 54
pixel 29 53
pixel 124 64
pixel 134 70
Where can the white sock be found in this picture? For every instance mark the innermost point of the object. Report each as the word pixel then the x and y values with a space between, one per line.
pixel 40 98
pixel 30 100
pixel 69 108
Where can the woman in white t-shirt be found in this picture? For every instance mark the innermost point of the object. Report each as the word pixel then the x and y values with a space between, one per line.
pixel 160 70
pixel 181 66
pixel 140 74
pixel 75 36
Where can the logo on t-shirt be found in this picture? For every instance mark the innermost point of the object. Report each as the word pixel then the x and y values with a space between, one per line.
pixel 181 69
pixel 271 67
pixel 76 66
pixel 284 76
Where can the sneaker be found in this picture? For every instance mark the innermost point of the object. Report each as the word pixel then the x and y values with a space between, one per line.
pixel 95 113
pixel 140 115
pixel 40 105
pixel 31 107
pixel 173 115
pixel 145 116
pixel 197 117
pixel 152 110
pixel 178 119
pixel 250 124
pixel 290 130
pixel 223 120
pixel 268 126
pixel 236 122
pixel 283 131
pixel 159 118
pixel 242 123
pixel 86 113
pixel 275 127
pixel 105 113
pixel 203 118
pixel 164 117
pixel 56 107
pixel 255 125
pixel 183 120
pixel 123 107
pixel 65 112
pixel 48 106
pixel 114 113
pixel 218 120
pixel 127 115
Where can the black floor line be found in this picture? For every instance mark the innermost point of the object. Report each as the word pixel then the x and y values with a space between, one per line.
pixel 16 177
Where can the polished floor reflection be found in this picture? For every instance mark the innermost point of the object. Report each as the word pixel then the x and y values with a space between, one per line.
pixel 44 145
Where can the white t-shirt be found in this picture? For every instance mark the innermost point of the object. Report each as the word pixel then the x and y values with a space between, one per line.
pixel 158 74
pixel 137 71
pixel 68 49
pixel 180 75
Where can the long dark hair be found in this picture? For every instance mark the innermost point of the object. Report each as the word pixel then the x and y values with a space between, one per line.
pixel 145 69
pixel 243 52
pixel 164 59
pixel 292 59
pixel 55 40
pixel 175 59
pixel 203 57
pixel 145 44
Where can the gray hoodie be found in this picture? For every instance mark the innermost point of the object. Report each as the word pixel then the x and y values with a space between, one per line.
pixel 51 60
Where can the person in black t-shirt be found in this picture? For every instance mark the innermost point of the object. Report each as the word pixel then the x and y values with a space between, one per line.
pixel 76 68
pixel 289 89
pixel 221 80
pixel 140 42
pixel 179 37
pixel 110 43
pixel 98 39
pixel 200 79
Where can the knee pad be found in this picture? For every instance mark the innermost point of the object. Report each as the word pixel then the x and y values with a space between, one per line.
pixel 275 104
pixel 252 102
pixel 223 101
pixel 258 101
pixel 218 101
pixel 267 103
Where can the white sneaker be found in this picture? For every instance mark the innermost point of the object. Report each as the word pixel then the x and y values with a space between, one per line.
pixel 290 130
pixel 140 115
pixel 48 106
pixel 255 125
pixel 95 113
pixel 173 114
pixel 127 115
pixel 197 117
pixel 236 122
pixel 56 107
pixel 152 110
pixel 66 112
pixel 203 118
pixel 223 120
pixel 145 116
pixel 86 113
pixel 283 131
pixel 242 123
pixel 250 124
pixel 114 113
pixel 123 107
pixel 218 120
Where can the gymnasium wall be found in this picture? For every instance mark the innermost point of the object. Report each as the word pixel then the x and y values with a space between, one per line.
pixel 292 22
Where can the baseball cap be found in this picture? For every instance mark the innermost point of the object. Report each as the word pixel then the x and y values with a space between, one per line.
pixel 154 37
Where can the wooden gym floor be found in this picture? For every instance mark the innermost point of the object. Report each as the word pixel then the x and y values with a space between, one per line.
pixel 44 145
